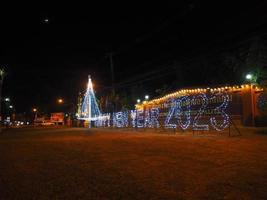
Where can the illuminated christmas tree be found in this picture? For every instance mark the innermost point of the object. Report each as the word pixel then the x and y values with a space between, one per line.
pixel 89 108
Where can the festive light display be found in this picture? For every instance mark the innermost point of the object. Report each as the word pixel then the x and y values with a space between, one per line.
pixel 140 118
pixel 103 120
pixel 184 92
pixel 120 119
pixel 133 118
pixel 195 109
pixel 221 110
pixel 170 114
pixel 89 109
pixel 151 118
pixel 199 114
pixel 154 115
pixel 147 119
pixel 183 102
pixel 180 113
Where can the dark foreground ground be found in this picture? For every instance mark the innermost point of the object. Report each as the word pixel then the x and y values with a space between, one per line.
pixel 97 164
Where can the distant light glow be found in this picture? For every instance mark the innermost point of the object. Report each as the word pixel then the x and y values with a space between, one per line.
pixel 146 97
pixel 249 76
pixel 60 101
pixel 138 100
pixel 7 99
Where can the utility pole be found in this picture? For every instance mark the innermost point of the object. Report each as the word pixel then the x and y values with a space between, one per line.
pixel 112 81
pixel 2 74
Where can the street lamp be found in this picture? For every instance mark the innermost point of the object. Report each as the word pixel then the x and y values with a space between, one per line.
pixel 60 101
pixel 35 113
pixel 146 97
pixel 11 106
pixel 138 100
pixel 249 77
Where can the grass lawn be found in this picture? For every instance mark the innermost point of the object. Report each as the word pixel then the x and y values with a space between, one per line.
pixel 108 164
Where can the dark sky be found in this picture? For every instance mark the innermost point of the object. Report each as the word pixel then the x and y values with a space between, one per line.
pixel 49 60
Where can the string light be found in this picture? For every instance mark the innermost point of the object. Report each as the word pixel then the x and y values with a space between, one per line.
pixel 180 112
pixel 120 119
pixel 133 117
pixel 184 107
pixel 154 117
pixel 140 118
pixel 89 108
pixel 170 114
pixel 147 120
pixel 221 110
pixel 197 126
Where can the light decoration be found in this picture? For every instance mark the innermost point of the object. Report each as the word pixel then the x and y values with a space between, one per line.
pixel 222 111
pixel 89 108
pixel 170 114
pixel 120 119
pixel 125 118
pixel 147 120
pixel 103 120
pixel 183 102
pixel 151 118
pixel 140 118
pixel 107 120
pixel 184 108
pixel 133 117
pixel 204 104
pixel 154 115
pixel 184 92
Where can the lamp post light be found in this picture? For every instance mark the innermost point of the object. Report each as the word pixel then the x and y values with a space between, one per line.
pixel 34 110
pixel 252 79
pixel 60 101
pixel 68 108
pixel 249 77
pixel 146 97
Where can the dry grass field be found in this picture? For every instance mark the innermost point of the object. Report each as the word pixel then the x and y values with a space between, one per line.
pixel 75 163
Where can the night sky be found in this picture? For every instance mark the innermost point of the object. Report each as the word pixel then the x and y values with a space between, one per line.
pixel 47 60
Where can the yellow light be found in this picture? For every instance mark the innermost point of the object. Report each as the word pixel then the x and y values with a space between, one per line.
pixel 34 110
pixel 60 101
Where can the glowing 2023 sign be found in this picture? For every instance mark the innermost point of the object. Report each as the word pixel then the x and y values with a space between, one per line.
pixel 181 109
pixel 183 112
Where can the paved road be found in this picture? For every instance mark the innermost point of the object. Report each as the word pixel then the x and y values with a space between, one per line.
pixel 96 164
